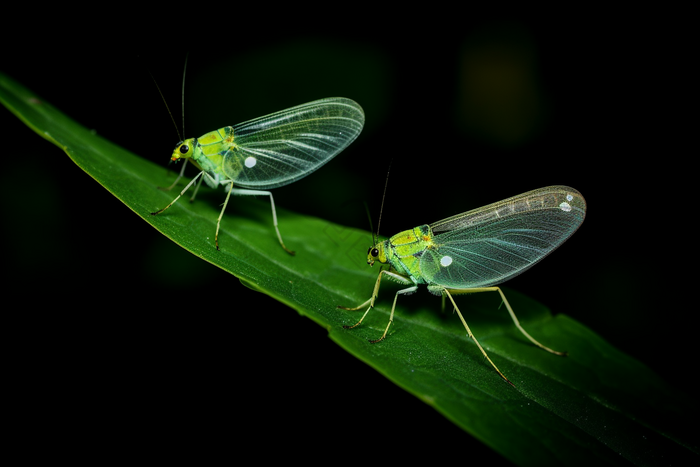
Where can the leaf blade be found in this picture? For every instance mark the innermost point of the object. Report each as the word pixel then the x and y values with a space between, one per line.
pixel 426 353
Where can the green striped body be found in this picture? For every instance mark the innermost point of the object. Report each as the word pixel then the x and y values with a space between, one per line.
pixel 403 252
pixel 214 153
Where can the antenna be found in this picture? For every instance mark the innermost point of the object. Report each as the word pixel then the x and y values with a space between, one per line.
pixel 184 71
pixel 369 218
pixel 166 103
pixel 180 139
pixel 381 208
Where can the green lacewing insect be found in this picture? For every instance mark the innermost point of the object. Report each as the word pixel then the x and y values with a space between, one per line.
pixel 271 151
pixel 476 250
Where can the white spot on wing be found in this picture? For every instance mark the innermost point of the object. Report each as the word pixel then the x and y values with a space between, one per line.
pixel 566 207
pixel 250 161
pixel 445 261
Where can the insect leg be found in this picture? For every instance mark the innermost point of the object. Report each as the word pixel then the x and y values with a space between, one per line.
pixel 182 172
pixel 362 305
pixel 395 276
pixel 408 290
pixel 370 301
pixel 196 189
pixel 178 196
pixel 240 191
pixel 221 214
pixel 512 315
pixel 469 334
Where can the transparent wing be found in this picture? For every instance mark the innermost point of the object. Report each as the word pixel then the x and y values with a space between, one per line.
pixel 492 244
pixel 285 146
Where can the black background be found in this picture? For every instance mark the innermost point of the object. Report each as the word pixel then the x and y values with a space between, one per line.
pixel 105 329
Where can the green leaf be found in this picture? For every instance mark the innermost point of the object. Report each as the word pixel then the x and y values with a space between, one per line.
pixel 596 405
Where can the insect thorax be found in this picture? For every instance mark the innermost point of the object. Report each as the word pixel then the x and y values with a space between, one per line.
pixel 212 153
pixel 405 249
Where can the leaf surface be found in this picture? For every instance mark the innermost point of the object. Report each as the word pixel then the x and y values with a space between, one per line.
pixel 596 405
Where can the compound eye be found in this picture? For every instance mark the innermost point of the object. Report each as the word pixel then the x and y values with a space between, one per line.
pixel 184 149
pixel 375 252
